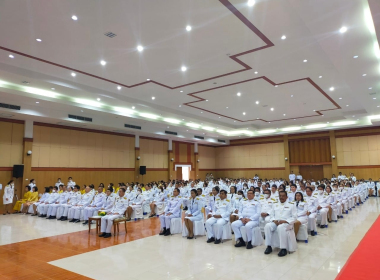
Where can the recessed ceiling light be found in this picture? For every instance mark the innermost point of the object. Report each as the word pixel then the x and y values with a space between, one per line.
pixel 148 79
pixel 238 94
pixel 257 118
pixel 343 29
pixel 234 121
pixel 181 91
pixel 251 3
pixel 219 117
pixel 37 102
pixel 119 87
pixel 187 130
pixel 374 98
pixel 284 115
pixel 102 62
pixel 257 102
pixel 256 72
pixel 364 75
pixel 291 95
pixel 353 116
pixel 140 48
pixel 314 110
pixel 243 113
pixel 347 105
pixel 320 77
pixel 179 105
pixel 201 112
pixel 98 99
pixel 294 119
pixel 133 107
pixel 53 88
pixel 271 109
pixel 378 106
pixel 206 99
pixel 340 98
pixel 226 107
pixel 276 86
pixel 283 37
pixel 188 28
pixel 73 74
pixel 370 88
pixel 183 68
pixel 153 97
pixel 332 89
pixel 38 40
pixel 74 18
pixel 81 111
pixel 355 56
pixel 305 60
pixel 11 56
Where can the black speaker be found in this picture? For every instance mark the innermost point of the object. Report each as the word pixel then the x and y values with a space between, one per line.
pixel 142 170
pixel 18 171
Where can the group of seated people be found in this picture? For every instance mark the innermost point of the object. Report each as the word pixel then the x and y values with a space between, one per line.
pixel 270 205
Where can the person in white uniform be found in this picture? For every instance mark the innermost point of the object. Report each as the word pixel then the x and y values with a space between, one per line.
pixel 71 183
pixel 323 205
pixel 9 192
pixel 266 207
pixel 94 206
pixel 194 212
pixel 302 209
pixel 292 177
pixel 108 201
pixel 172 210
pixel 121 204
pixel 218 216
pixel 249 215
pixel 62 199
pixel 43 207
pixel 73 201
pixel 43 198
pixel 283 216
pixel 76 210
pixel 312 205
pixel 135 201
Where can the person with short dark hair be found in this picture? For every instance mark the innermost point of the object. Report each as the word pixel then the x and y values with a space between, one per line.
pixel 34 206
pixel 302 209
pixel 212 199
pixel 75 211
pixel 172 210
pixel 17 207
pixel 43 207
pixel 33 197
pixel 283 216
pixel 73 201
pixel 71 183
pixel 94 206
pixel 312 205
pixel 62 199
pixel 194 213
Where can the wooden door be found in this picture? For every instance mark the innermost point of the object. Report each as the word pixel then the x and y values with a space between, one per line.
pixel 309 172
pixel 179 173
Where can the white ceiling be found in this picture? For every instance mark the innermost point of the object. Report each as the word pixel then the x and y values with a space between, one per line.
pixel 232 48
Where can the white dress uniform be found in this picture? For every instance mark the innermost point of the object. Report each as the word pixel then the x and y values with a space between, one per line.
pixel 210 204
pixel 281 211
pixel 302 209
pixel 292 177
pixel 250 209
pixel 94 206
pixel 223 208
pixel 195 209
pixel 43 198
pixel 266 207
pixel 74 199
pixel 9 192
pixel 58 184
pixel 299 177
pixel 71 184
pixel 121 204
pixel 43 207
pixel 322 201
pixel 291 196
pixel 108 203
pixel 137 199
pixel 312 204
pixel 338 199
pixel 173 207
pixel 62 199
pixel 75 211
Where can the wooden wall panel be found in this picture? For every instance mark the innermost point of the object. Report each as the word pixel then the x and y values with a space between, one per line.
pixel 361 172
pixel 153 153
pixel 249 173
pixel 206 157
pixel 11 143
pixel 315 150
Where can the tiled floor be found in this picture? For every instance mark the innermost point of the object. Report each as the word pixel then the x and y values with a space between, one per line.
pixel 150 256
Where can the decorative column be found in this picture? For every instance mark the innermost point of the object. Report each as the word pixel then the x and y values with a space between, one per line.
pixel 196 163
pixel 137 155
pixel 26 159
pixel 334 161
pixel 170 161
pixel 286 155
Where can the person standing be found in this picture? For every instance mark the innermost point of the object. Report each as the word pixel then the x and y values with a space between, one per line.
pixel 292 177
pixel 9 192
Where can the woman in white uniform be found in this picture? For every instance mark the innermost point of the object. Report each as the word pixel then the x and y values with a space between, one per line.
pixel 159 200
pixel 235 205
pixel 9 192
pixel 194 213
pixel 302 208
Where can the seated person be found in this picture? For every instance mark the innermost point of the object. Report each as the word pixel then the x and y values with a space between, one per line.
pixel 194 212
pixel 292 193
pixel 44 197
pixel 302 209
pixel 75 197
pixel 249 214
pixel 218 216
pixel 17 207
pixel 117 211
pixel 172 210
pixel 283 216
pixel 135 201
pixel 235 204
pixel 32 199
pixel 211 200
pixel 159 200
pixel 266 207
pixel 85 200
pixel 94 206
pixel 63 197
pixel 43 207
pixel 312 205
pixel 323 205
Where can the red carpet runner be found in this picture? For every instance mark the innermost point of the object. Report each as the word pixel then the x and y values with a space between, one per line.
pixel 363 262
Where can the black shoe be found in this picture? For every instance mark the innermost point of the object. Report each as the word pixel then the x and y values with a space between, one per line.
pixel 312 233
pixel 63 218
pixel 85 223
pixel 163 231
pixel 72 221
pixel 77 221
pixel 108 235
pixel 48 218
pixel 53 217
pixel 283 253
pixel 102 234
pixel 167 233
pixel 322 226
pixel 249 245
pixel 32 215
pixel 217 241
pixel 185 209
pixel 268 250
pixel 241 243
pixel 212 239
pixel 40 216
pixel 190 237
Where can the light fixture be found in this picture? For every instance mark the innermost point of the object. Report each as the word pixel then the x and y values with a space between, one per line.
pixel 343 123
pixel 73 74
pixel 179 105
pixel 88 102
pixel 332 89
pixel 208 128
pixel 124 111
pixel 193 125
pixel 293 128
pixel 355 56
pixel 226 107
pixel 251 3
pixel 257 102
pixel 284 115
pixel 133 107
pixel 364 75
pixel 37 102
pixel 340 98
pixel 347 105
pixel 201 112
pixel 272 109
pixel 181 91
pixel 343 29
pixel 256 72
pixel 320 77
pixel 374 98
pixel 266 131
pixel 276 86
pixel 11 56
pixel 102 62
pixel 188 28
pixel 183 68
pixel 140 48
pixel 291 95
pixel 53 88
pixel 74 18
pixel 149 116
pixel 153 97
pixel 370 88
pixel 283 37
pixel 98 99
pixel 148 79
pixel 119 87
pixel 172 120
pixel 316 126
pixel 38 40
pixel 305 60
pixel 243 113
pixel 238 94
pixel 206 100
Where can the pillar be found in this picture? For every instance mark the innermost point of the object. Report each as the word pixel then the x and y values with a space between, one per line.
pixel 170 161
pixel 137 155
pixel 26 159
pixel 334 161
pixel 286 155
pixel 196 157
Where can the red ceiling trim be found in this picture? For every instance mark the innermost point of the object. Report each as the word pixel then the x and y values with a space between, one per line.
pixel 6 168
pixel 311 163
pixel 11 120
pixel 359 166
pixel 157 169
pixel 243 169
pixel 28 139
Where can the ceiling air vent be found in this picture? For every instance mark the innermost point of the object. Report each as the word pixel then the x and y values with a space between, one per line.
pixel 221 141
pixel 9 106
pixel 372 93
pixel 110 34
pixel 199 137
pixel 80 118
pixel 132 126
pixel 170 132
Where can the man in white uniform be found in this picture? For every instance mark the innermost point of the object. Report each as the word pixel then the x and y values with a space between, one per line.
pixel 121 204
pixel 283 216
pixel 43 207
pixel 75 211
pixel 219 216
pixel 292 177
pixel 62 199
pixel 73 200
pixel 94 206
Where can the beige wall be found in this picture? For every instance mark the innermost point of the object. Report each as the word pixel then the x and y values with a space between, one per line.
pixel 153 153
pixel 58 147
pixel 250 156
pixel 11 143
pixel 207 157
pixel 356 151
